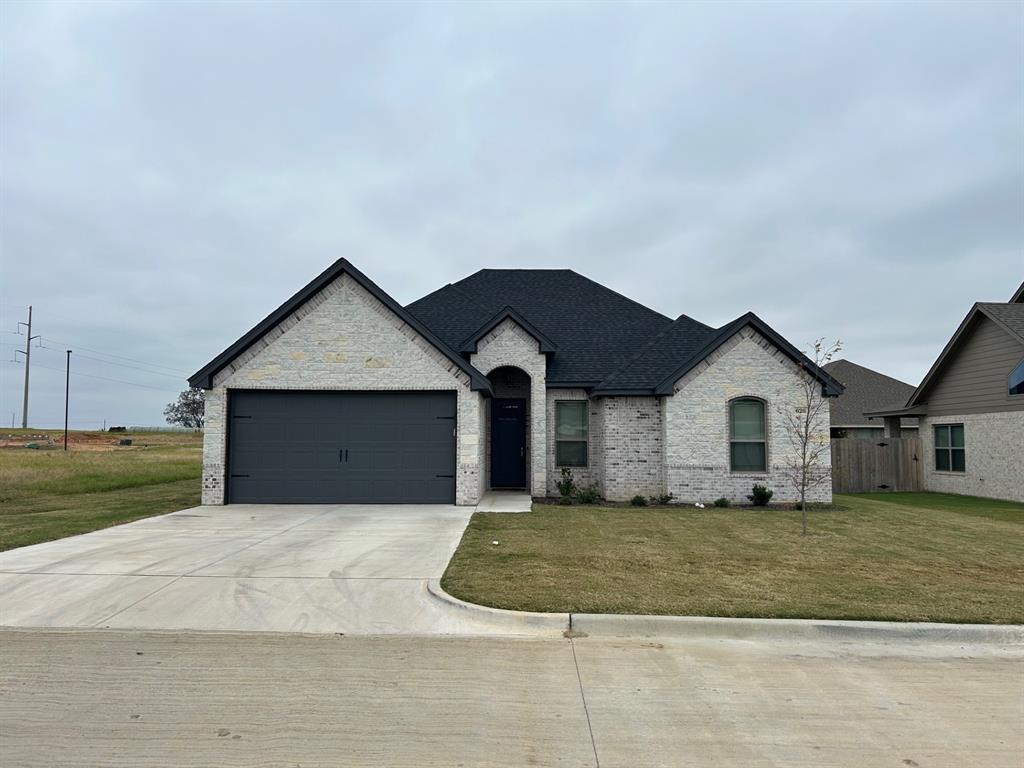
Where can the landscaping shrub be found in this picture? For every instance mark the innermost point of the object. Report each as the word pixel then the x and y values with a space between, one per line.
pixel 760 495
pixel 662 499
pixel 588 495
pixel 638 501
pixel 721 501
pixel 567 486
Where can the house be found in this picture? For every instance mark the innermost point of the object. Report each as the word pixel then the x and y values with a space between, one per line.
pixel 500 380
pixel 971 406
pixel 865 391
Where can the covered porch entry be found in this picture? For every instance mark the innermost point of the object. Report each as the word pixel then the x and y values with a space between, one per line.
pixel 508 430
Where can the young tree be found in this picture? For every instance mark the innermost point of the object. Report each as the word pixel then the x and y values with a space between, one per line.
pixel 187 410
pixel 801 418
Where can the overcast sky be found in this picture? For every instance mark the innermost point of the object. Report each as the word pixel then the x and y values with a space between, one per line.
pixel 172 172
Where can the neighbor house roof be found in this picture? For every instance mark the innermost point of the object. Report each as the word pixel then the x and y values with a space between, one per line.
pixel 866 391
pixel 1009 317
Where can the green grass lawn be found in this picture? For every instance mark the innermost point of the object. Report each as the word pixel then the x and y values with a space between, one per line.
pixel 48 494
pixel 897 556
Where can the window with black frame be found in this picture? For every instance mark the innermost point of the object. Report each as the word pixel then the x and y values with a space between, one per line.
pixel 950 453
pixel 571 433
pixel 748 449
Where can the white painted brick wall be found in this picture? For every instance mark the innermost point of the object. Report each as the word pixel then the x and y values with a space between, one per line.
pixel 697 422
pixel 994 455
pixel 343 338
pixel 510 345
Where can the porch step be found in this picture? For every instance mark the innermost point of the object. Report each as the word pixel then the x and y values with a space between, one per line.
pixel 504 501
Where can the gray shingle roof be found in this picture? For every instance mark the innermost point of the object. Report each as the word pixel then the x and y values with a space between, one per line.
pixel 866 391
pixel 597 330
pixel 599 338
pixel 661 355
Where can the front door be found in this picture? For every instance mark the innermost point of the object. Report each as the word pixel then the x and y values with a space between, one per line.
pixel 508 443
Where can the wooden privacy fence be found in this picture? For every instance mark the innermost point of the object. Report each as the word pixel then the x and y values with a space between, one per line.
pixel 885 464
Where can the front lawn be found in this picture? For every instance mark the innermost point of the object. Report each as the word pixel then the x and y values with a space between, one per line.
pixel 901 557
pixel 48 494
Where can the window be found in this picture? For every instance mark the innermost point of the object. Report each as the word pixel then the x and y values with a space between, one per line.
pixel 747 449
pixel 1016 382
pixel 571 433
pixel 949 448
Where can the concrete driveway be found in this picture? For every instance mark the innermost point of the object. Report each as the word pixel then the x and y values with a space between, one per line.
pixel 358 569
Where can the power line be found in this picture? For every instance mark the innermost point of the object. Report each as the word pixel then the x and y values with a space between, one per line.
pixel 103 378
pixel 99 360
pixel 108 354
pixel 68 345
pixel 122 365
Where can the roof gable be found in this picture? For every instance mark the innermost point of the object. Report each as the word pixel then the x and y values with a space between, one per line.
pixel 830 387
pixel 203 378
pixel 594 329
pixel 544 344
pixel 1008 317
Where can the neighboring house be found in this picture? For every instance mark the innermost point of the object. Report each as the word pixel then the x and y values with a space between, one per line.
pixel 497 381
pixel 865 391
pixel 971 406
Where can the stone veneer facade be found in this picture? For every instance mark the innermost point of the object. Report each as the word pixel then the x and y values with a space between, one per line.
pixel 510 345
pixel 697 422
pixel 994 445
pixel 680 444
pixel 344 338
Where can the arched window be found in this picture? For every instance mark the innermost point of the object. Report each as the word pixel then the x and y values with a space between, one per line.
pixel 1015 384
pixel 747 448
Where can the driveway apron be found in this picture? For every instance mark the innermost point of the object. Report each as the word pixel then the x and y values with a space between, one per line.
pixel 354 569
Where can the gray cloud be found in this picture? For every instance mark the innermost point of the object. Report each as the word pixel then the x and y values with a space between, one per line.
pixel 169 173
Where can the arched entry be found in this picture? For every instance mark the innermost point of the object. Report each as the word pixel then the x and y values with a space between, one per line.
pixel 509 441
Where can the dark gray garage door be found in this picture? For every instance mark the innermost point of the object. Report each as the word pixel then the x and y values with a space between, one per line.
pixel 341 447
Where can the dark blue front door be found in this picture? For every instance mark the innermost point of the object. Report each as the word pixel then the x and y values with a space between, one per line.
pixel 508 443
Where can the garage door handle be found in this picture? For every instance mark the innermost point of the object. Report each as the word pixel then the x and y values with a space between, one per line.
pixel 343 454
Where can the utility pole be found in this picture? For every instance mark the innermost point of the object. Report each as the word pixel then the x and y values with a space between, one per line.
pixel 67 390
pixel 28 354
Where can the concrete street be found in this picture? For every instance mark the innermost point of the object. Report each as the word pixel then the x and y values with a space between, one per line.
pixel 115 698
pixel 355 569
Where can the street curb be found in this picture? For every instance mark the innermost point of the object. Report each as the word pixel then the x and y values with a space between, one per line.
pixel 722 628
pixel 711 627
pixel 499 616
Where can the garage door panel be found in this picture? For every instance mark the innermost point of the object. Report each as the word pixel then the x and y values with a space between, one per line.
pixel 338 447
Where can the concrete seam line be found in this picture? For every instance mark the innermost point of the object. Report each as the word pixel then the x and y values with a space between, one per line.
pixel 583 698
pixel 132 605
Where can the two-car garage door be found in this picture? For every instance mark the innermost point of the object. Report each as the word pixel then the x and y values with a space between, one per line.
pixel 291 447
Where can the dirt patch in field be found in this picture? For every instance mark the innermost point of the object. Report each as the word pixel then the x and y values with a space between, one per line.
pixel 94 441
